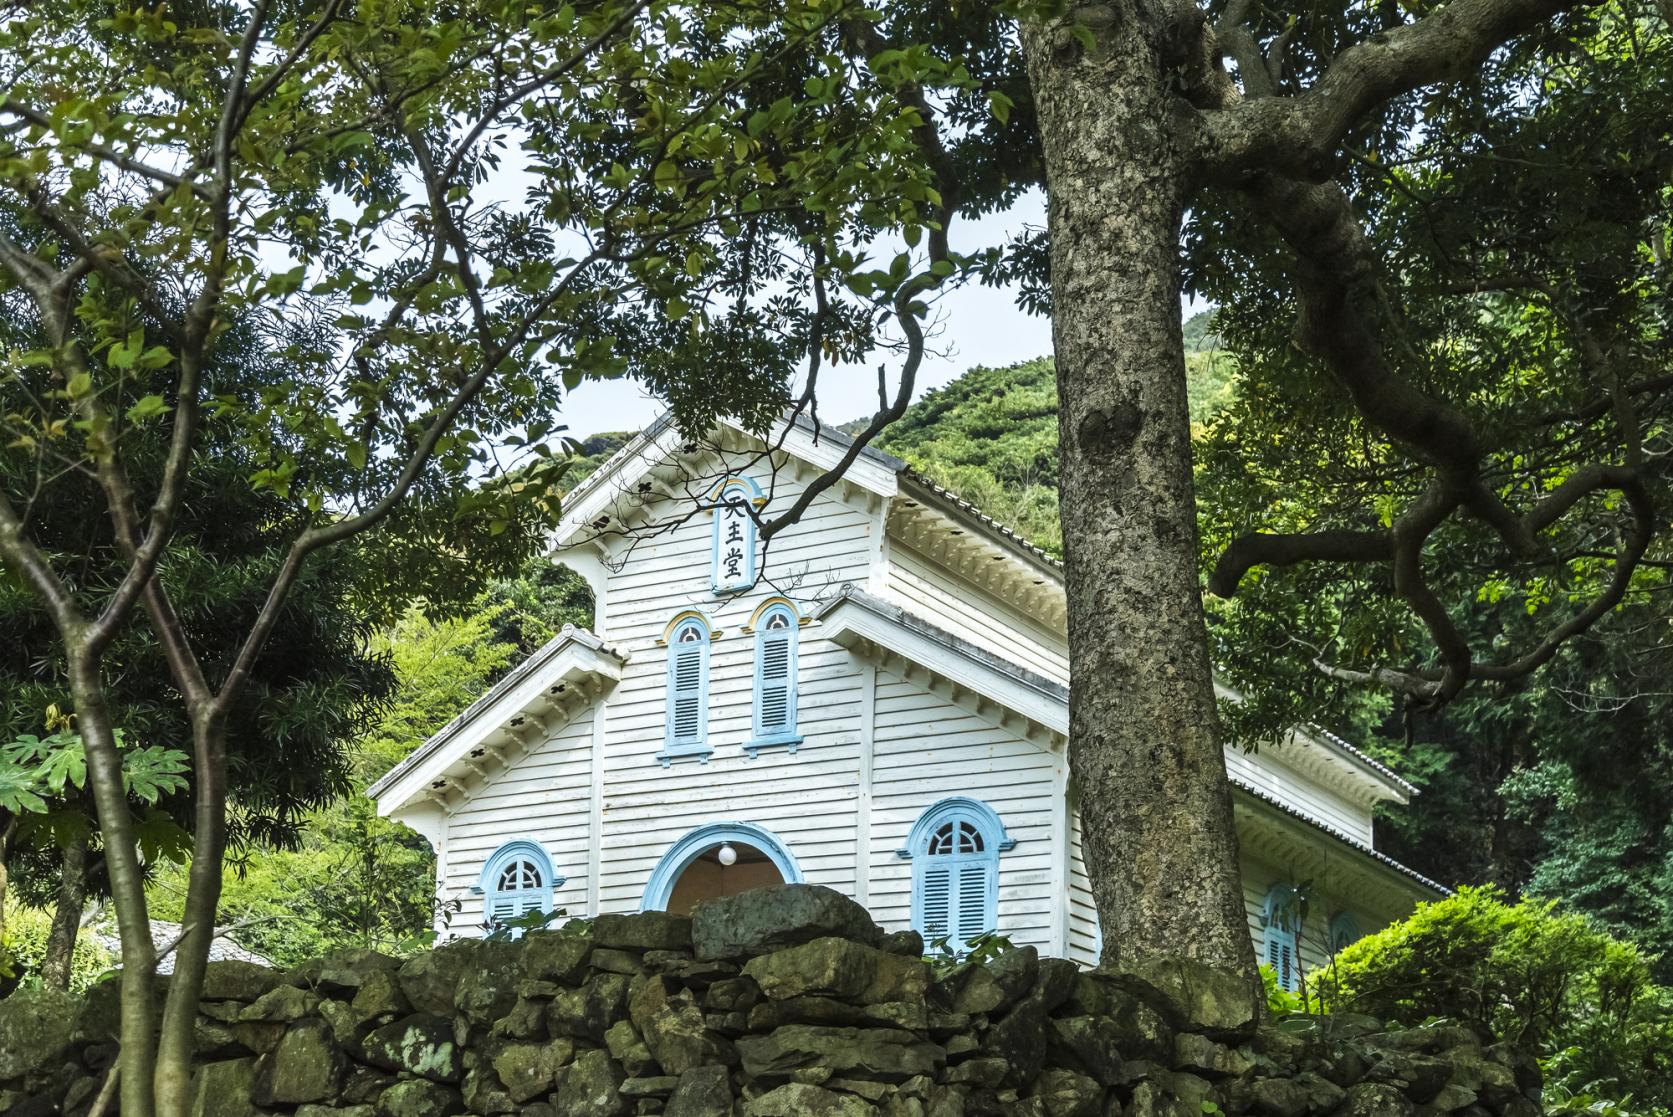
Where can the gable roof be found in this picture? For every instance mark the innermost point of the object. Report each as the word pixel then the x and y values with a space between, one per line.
pixel 574 664
pixel 947 516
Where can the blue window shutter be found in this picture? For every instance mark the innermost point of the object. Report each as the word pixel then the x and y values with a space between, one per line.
pixel 935 902
pixel 775 676
pixel 1280 955
pixel 975 881
pixel 688 684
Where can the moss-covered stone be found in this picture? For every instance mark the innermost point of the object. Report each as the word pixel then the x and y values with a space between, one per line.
pixel 419 1044
pixel 305 1066
pixel 37 1026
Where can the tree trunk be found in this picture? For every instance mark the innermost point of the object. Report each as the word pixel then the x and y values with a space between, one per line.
pixel 1144 737
pixel 127 882
pixel 66 917
pixel 175 1043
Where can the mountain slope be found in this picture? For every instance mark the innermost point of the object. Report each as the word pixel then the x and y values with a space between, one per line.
pixel 991 437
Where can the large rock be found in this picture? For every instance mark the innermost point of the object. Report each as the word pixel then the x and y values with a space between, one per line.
pixel 224 1089
pixel 834 967
pixel 1064 1093
pixel 673 1029
pixel 559 955
pixel 701 1092
pixel 1087 1043
pixel 1195 996
pixel 36 1027
pixel 1375 1099
pixel 880 1054
pixel 343 970
pixel 529 1069
pixel 766 919
pixel 796 1099
pixel 420 1044
pixel 431 979
pixel 593 1087
pixel 418 1097
pixel 306 1066
pixel 284 1004
pixel 646 930
pixel 587 1013
pixel 233 980
pixel 487 985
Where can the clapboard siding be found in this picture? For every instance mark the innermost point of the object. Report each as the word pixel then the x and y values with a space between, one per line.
pixel 1266 771
pixel 1084 944
pixel 926 749
pixel 944 599
pixel 541 796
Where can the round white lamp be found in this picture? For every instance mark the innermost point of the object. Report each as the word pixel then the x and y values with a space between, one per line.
pixel 727 855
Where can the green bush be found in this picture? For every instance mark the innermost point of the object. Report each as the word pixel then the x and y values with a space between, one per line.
pixel 25 948
pixel 1530 973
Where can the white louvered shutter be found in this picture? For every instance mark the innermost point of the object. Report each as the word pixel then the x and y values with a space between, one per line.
pixel 685 693
pixel 776 701
pixel 936 901
pixel 1280 956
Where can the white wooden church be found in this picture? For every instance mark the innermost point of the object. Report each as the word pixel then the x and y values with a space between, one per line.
pixel 876 701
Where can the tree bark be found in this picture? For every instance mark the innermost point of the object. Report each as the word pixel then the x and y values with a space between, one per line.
pixel 66 917
pixel 1144 735
pixel 127 882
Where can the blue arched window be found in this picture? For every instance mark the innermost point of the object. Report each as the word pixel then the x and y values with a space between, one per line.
pixel 518 879
pixel 955 847
pixel 1344 931
pixel 1282 916
pixel 776 628
pixel 735 502
pixel 686 728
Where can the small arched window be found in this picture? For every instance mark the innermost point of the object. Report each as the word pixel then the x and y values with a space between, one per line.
pixel 776 628
pixel 1344 932
pixel 686 729
pixel 955 847
pixel 1282 914
pixel 735 505
pixel 517 879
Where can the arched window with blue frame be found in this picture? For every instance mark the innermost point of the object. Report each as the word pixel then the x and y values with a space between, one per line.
pixel 736 504
pixel 686 728
pixel 516 880
pixel 954 848
pixel 1344 931
pixel 1282 915
pixel 777 625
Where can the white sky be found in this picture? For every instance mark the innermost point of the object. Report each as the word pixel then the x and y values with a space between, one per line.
pixel 977 326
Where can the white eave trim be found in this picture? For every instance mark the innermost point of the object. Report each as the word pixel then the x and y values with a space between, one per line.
pixel 661 444
pixel 868 625
pixel 570 660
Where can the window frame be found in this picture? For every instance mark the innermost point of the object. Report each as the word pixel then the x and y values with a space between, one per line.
pixel 986 823
pixel 674 747
pixel 1282 914
pixel 788 736
pixel 541 897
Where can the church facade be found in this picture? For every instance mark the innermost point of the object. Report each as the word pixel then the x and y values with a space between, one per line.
pixel 876 701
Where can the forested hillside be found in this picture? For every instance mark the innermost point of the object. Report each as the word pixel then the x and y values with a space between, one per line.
pixel 1533 788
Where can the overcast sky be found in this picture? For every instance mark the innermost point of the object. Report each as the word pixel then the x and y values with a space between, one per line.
pixel 978 326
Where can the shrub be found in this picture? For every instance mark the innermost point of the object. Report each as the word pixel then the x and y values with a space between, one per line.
pixel 25 948
pixel 1529 973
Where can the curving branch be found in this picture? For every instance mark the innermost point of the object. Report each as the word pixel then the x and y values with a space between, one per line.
pixel 1301 135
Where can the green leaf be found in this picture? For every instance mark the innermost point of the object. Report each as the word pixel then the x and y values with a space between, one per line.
pixel 146 408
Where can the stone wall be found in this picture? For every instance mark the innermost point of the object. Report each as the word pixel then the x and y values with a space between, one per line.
pixel 783 1002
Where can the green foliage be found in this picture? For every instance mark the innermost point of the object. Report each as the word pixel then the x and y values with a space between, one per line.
pixel 990 437
pixel 24 949
pixel 1530 973
pixel 1279 1001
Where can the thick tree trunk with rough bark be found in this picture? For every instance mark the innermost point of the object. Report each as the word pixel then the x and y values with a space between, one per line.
pixel 1144 738
pixel 66 917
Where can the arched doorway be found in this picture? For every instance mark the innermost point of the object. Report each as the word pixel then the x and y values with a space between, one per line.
pixel 720 859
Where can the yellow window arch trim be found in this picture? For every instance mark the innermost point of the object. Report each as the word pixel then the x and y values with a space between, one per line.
pixel 686 615
pixel 738 481
pixel 754 621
